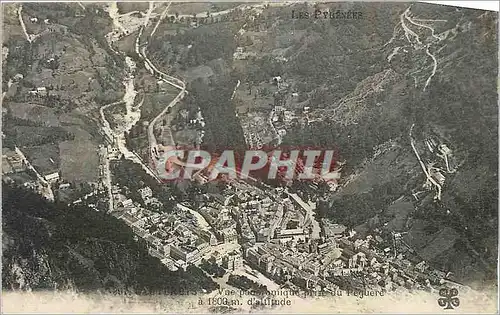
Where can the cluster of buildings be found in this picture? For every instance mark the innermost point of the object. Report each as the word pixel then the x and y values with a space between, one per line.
pixel 219 218
pixel 261 128
pixel 199 124
pixel 39 91
pixel 337 262
pixel 271 230
pixel 260 215
pixel 15 169
pixel 241 54
pixel 178 238
pixel 147 197
pixel 174 237
pixel 12 162
pixel 276 238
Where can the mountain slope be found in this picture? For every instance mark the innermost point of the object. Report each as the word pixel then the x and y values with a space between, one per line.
pixel 441 78
pixel 48 246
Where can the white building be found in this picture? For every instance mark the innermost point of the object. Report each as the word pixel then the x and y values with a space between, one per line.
pixel 64 186
pixel 127 203
pixel 146 192
pixel 53 177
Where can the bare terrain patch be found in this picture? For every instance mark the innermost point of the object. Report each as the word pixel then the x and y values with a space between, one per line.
pixel 79 161
pixel 36 113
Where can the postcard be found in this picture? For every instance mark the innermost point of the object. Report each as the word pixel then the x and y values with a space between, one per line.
pixel 249 157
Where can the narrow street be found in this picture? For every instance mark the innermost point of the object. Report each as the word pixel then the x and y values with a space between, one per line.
pixel 310 218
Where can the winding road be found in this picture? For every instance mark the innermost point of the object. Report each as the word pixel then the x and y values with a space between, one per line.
pixel 405 16
pixel 141 50
pixel 430 179
pixel 173 81
pixel 117 137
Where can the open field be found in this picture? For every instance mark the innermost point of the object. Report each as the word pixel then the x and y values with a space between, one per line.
pixel 185 136
pixel 26 136
pixel 21 177
pixel 45 158
pixel 127 43
pixel 125 7
pixel 190 8
pixel 201 7
pixel 79 161
pixel 42 115
pixel 154 103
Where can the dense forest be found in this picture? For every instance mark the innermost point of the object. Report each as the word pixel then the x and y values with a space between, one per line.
pixel 213 45
pixel 223 130
pixel 206 43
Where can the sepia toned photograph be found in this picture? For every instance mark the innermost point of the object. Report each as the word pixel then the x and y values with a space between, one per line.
pixel 249 157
